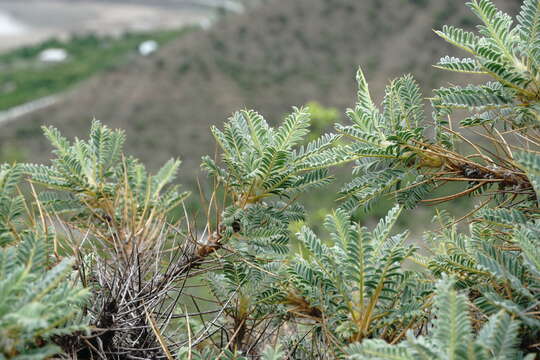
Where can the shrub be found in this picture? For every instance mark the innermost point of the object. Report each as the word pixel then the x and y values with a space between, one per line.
pixel 472 293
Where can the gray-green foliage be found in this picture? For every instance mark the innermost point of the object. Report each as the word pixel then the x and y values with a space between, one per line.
pixel 39 298
pixel 395 150
pixel 452 336
pixel 36 304
pixel 496 259
pixel 263 161
pixel 84 173
pixel 383 143
pixel 506 280
pixel 265 168
pixel 348 286
pixel 12 205
pixel 356 279
pixel 469 293
pixel 126 217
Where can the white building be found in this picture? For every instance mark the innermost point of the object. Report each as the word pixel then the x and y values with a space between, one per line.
pixel 147 47
pixel 53 55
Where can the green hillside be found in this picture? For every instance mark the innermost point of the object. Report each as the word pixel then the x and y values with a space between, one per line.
pixel 24 77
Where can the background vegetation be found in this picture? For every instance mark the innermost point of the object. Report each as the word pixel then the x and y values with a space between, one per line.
pixel 25 78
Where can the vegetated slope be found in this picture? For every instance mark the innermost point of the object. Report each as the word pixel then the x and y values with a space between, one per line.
pixel 24 77
pixel 281 54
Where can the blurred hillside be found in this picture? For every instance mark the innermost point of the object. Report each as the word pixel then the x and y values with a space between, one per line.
pixel 277 55
pixel 28 22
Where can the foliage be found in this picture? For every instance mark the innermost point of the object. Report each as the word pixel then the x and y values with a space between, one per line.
pixel 39 299
pixel 12 205
pixel 357 280
pixel 496 267
pixel 92 172
pixel 459 293
pixel 493 260
pixel 126 235
pixel 452 336
pixel 265 170
pixel 396 152
pixel 36 305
